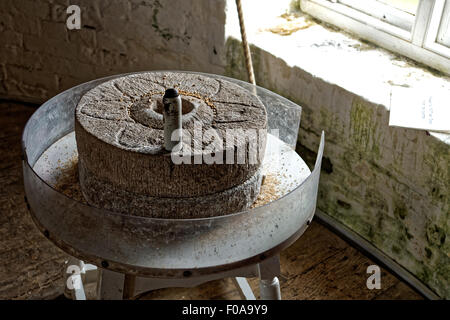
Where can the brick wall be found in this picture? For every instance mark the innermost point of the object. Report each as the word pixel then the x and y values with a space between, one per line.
pixel 40 57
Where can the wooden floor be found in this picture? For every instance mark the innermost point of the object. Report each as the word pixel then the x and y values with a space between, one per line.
pixel 319 265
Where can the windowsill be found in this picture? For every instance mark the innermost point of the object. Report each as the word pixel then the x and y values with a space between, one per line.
pixel 336 57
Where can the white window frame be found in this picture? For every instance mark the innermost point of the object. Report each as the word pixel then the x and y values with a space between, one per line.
pixel 433 29
pixel 419 44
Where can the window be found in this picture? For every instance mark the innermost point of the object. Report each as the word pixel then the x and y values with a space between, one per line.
pixel 438 39
pixel 418 29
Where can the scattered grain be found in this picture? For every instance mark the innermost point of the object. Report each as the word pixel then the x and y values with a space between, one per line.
pixel 269 191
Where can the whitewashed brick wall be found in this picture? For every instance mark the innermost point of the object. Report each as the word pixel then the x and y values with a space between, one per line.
pixel 40 57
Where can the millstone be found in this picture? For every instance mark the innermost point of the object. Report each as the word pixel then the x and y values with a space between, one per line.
pixel 124 167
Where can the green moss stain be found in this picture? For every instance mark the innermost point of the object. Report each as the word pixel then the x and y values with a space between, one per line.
pixel 364 133
pixel 361 125
pixel 396 249
pixel 442 275
pixel 344 204
pixel 436 231
pixel 235 65
pixel 436 277
pixel 436 235
pixel 375 199
pixel 235 61
pixel 400 210
pixel 260 72
pixel 325 120
pixel 376 150
pixel 425 275
pixel 428 253
pixel 437 159
pixel 409 236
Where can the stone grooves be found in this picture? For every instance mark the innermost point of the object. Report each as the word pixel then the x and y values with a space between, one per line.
pixel 122 162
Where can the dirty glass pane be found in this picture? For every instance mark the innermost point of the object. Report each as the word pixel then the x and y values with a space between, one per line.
pixel 399 13
pixel 443 36
pixel 409 6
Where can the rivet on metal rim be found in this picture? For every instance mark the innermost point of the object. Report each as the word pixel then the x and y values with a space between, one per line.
pixel 187 273
pixel 26 201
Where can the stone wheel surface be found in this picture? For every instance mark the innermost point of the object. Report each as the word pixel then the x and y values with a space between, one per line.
pixel 123 164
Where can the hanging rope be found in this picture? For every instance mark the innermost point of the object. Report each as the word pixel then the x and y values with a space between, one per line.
pixel 248 57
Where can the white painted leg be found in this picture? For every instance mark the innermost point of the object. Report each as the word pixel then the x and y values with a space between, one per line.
pixel 89 273
pixel 244 289
pixel 110 285
pixel 269 285
pixel 78 291
pixel 74 288
pixel 146 284
pixel 270 289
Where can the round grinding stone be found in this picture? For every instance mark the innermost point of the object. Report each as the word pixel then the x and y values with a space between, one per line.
pixel 120 140
pixel 228 201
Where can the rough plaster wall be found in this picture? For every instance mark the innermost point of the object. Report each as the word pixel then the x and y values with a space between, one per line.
pixel 388 184
pixel 40 57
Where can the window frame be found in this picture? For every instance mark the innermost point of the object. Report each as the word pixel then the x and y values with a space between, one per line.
pixel 418 44
pixel 433 30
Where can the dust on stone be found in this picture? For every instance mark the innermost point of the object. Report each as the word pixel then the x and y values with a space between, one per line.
pixel 269 191
pixel 67 181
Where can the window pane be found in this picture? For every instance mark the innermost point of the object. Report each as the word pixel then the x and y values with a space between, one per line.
pixel 399 13
pixel 443 36
pixel 409 6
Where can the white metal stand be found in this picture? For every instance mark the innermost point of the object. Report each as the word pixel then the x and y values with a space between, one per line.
pixel 269 286
pixel 201 248
pixel 110 285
